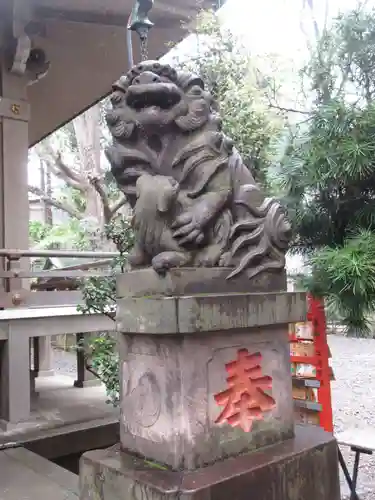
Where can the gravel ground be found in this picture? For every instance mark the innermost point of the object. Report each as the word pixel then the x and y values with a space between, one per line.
pixel 353 397
pixel 353 400
pixel 65 363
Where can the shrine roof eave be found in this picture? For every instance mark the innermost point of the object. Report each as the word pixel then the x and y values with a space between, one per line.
pixel 85 42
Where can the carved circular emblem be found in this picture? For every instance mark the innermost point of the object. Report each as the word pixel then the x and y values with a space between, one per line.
pixel 146 400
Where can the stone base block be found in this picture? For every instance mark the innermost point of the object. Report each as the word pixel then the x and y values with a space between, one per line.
pixel 302 468
pixel 192 281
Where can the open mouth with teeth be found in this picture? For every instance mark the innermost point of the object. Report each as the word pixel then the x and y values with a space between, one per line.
pixel 163 96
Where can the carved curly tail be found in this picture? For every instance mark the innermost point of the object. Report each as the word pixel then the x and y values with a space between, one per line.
pixel 259 240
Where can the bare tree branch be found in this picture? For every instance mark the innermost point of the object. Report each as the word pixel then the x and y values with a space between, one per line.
pixel 326 15
pixel 52 167
pixel 289 110
pixel 55 203
pixel 118 204
pixel 310 4
pixel 58 167
pixel 90 369
pixel 99 188
pixel 88 134
pixel 108 210
pixel 69 173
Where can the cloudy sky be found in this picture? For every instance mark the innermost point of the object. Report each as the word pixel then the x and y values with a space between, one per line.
pixel 274 25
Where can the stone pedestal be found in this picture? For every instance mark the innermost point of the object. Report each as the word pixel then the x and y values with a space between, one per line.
pixel 206 394
pixel 170 380
pixel 302 468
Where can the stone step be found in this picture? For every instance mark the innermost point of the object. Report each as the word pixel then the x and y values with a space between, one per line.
pixel 27 476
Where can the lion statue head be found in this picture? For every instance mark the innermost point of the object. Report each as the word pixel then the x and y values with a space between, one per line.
pixel 153 96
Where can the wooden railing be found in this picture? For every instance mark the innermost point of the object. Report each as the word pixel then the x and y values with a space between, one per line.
pixel 30 308
pixel 25 288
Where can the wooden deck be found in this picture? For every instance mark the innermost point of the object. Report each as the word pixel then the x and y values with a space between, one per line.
pixel 17 326
pixel 27 476
pixel 65 420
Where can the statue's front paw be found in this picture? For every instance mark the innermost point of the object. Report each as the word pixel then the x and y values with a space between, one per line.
pixel 187 229
pixel 166 260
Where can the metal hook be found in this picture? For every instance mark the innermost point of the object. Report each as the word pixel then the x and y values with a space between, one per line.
pixel 141 24
pixel 139 21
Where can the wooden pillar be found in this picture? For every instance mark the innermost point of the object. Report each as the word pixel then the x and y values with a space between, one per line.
pixel 14 378
pixel 45 357
pixel 42 357
pixel 14 146
pixel 14 116
pixel 84 377
pixel 14 221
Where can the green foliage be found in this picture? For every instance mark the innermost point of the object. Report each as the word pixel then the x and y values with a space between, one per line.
pixel 220 57
pixel 326 174
pixel 99 296
pixel 69 235
pixel 252 127
pixel 37 231
pixel 73 197
pixel 343 62
pixel 103 360
pixel 120 231
pixel 230 74
pixel 346 277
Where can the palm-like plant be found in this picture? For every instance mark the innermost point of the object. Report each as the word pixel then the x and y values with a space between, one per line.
pixel 326 172
pixel 328 176
pixel 345 276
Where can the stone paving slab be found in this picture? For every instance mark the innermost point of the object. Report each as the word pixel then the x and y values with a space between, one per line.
pixel 27 476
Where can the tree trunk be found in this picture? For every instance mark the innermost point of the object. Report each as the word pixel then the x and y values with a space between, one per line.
pixel 46 188
pixel 82 172
pixel 88 134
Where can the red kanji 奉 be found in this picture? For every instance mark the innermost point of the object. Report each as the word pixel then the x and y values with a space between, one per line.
pixel 245 400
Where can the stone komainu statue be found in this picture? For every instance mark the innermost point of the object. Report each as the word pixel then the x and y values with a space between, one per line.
pixel 195 202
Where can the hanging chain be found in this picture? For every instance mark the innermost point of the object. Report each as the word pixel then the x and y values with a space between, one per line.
pixel 141 24
pixel 144 48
